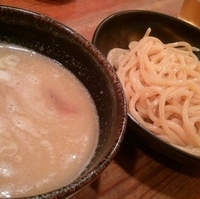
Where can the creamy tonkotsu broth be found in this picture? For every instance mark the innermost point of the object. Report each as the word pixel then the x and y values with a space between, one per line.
pixel 48 124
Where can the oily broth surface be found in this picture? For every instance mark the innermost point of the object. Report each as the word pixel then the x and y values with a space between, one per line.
pixel 48 124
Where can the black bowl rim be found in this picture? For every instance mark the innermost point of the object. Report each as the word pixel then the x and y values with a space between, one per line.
pixel 86 179
pixel 166 149
pixel 135 12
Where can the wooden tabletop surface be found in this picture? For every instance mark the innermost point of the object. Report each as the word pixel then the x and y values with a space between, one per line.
pixel 136 171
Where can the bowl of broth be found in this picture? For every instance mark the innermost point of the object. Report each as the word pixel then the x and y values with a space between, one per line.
pixel 156 57
pixel 60 125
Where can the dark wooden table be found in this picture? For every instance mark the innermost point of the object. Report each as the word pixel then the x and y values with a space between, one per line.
pixel 136 171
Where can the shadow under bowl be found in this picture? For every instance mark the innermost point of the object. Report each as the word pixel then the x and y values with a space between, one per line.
pixel 118 30
pixel 61 43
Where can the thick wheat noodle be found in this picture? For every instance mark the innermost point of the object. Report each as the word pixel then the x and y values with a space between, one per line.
pixel 162 88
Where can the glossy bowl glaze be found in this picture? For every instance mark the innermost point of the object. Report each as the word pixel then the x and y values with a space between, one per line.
pixel 61 43
pixel 118 30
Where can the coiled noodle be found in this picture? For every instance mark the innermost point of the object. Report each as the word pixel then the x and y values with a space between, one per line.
pixel 162 88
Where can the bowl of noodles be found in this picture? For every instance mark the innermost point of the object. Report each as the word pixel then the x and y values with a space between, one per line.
pixel 156 58
pixel 49 87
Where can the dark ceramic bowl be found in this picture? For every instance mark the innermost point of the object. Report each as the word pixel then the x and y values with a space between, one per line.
pixel 118 30
pixel 61 43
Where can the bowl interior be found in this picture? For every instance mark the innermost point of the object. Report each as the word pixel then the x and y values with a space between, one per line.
pixel 64 45
pixel 119 29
